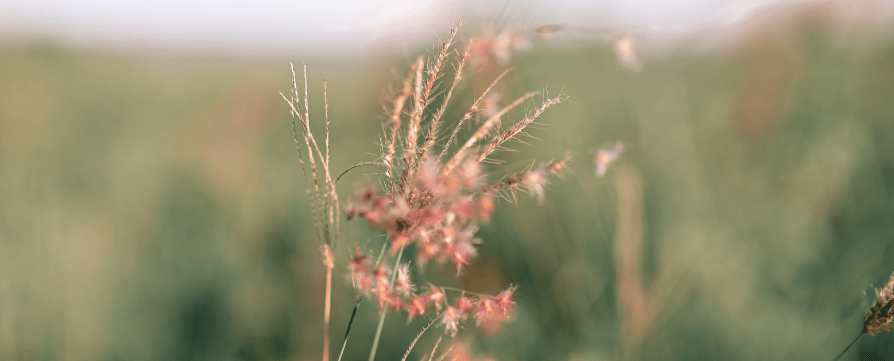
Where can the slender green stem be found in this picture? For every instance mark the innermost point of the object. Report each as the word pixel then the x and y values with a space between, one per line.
pixel 849 346
pixel 372 352
pixel 348 331
pixel 381 253
pixel 445 288
pixel 375 346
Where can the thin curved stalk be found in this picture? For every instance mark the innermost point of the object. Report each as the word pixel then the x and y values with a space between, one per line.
pixel 348 331
pixel 415 340
pixel 849 346
pixel 355 166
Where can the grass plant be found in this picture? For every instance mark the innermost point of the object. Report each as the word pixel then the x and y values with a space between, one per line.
pixel 431 197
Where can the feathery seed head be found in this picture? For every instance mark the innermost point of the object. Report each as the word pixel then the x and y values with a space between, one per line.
pixel 436 296
pixel 402 283
pixel 505 302
pixel 486 310
pixel 606 156
pixel 464 304
pixel 416 307
pixel 881 315
pixel 451 318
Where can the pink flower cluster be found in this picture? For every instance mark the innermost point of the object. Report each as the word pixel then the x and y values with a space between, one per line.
pixel 401 294
pixel 430 203
pixel 438 212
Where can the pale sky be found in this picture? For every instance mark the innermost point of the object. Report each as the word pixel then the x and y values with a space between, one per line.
pixel 331 28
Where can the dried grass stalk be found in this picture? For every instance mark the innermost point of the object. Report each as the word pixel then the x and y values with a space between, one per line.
pixel 320 188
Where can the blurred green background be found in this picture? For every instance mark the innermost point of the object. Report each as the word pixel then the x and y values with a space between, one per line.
pixel 153 207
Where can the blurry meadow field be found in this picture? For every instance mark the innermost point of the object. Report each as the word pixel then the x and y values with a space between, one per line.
pixel 153 207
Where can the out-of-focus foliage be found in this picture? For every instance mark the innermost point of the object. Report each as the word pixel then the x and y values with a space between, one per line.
pixel 152 208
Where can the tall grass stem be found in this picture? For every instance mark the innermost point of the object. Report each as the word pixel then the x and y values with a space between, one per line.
pixel 849 346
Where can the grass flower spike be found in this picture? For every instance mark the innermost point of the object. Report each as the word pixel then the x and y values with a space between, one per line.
pixel 435 192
